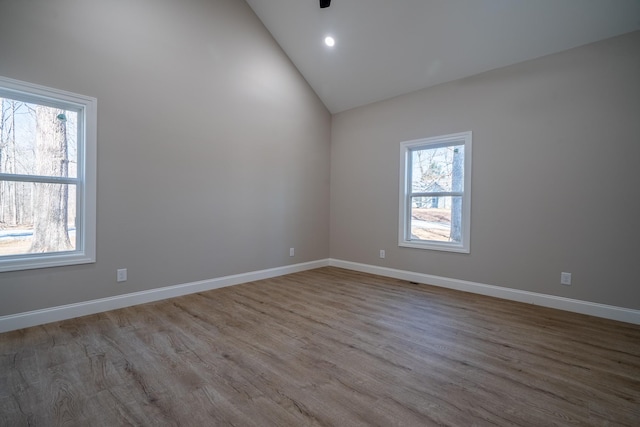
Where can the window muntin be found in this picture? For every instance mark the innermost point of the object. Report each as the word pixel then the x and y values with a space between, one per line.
pixel 435 193
pixel 47 176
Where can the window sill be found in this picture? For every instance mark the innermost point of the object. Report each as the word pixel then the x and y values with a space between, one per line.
pixel 435 246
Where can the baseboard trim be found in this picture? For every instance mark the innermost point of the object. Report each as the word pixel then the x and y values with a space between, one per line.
pixel 550 301
pixel 39 317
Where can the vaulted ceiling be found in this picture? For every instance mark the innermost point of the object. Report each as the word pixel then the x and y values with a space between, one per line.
pixel 385 48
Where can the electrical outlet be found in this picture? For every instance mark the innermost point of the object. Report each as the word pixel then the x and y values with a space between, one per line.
pixel 565 278
pixel 292 251
pixel 122 275
pixel 382 253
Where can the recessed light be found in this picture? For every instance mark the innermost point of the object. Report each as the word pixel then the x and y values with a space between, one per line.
pixel 329 41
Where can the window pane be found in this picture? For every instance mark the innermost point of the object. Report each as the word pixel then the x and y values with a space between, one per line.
pixel 38 139
pixel 436 219
pixel 438 169
pixel 37 218
pixel 435 195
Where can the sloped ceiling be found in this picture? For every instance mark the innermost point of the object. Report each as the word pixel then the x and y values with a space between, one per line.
pixel 386 48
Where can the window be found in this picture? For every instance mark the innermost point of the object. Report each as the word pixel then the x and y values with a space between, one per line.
pixel 47 176
pixel 435 193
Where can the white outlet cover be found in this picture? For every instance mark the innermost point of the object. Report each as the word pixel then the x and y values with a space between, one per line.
pixel 565 278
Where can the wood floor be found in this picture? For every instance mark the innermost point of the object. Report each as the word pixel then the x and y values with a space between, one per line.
pixel 324 347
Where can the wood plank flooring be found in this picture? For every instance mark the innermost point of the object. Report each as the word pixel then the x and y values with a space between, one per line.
pixel 323 347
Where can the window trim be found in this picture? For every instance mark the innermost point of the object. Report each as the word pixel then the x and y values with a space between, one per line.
pixel 85 181
pixel 405 192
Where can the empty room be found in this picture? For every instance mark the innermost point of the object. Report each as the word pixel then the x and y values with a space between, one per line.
pixel 328 213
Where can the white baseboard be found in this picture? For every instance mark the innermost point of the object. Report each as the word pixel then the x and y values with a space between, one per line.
pixel 39 317
pixel 64 312
pixel 577 306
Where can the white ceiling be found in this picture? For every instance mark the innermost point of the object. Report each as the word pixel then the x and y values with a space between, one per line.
pixel 386 48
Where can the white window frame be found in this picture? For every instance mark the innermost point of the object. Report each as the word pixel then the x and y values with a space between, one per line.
pixel 406 192
pixel 85 251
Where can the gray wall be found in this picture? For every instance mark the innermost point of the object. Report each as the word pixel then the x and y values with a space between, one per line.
pixel 556 154
pixel 213 152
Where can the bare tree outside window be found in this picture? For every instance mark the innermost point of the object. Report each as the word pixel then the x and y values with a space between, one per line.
pixel 36 140
pixel 457 186
pixel 437 182
pixel 50 232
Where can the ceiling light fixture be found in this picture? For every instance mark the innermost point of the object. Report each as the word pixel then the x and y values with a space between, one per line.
pixel 329 41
